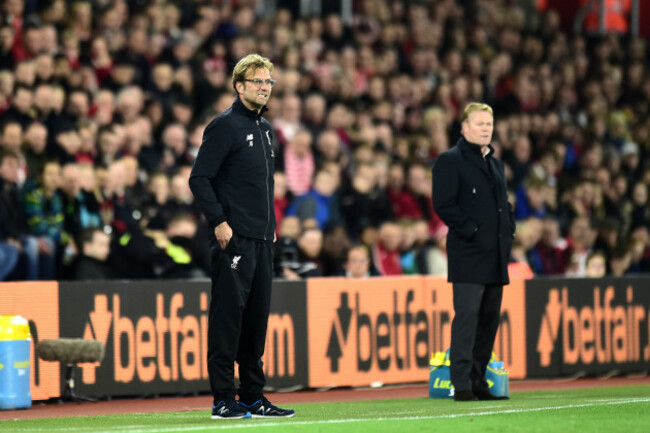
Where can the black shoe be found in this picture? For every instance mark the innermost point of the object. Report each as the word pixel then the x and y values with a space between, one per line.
pixel 264 408
pixel 229 409
pixel 485 395
pixel 465 396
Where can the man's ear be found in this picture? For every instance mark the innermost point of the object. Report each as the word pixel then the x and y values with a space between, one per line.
pixel 239 87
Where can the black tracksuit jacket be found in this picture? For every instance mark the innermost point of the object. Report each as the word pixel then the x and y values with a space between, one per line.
pixel 232 177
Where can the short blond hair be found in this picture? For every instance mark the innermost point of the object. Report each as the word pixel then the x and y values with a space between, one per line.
pixel 475 106
pixel 251 61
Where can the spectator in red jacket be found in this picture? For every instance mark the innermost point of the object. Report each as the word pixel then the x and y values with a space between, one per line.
pixel 404 204
pixel 386 251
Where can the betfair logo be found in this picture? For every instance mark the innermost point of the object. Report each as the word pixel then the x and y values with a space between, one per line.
pixel 166 347
pixel 601 332
pixel 397 338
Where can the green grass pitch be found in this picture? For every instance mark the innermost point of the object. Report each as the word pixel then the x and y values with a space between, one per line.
pixel 609 409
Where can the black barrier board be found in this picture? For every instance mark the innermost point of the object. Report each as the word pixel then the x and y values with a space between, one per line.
pixel 591 326
pixel 286 354
pixel 155 334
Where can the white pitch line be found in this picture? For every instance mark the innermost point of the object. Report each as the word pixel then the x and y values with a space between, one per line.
pixel 257 423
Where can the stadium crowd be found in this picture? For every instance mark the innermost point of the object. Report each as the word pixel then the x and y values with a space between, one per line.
pixel 103 104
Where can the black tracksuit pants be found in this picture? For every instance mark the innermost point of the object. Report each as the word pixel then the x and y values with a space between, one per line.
pixel 477 309
pixel 239 311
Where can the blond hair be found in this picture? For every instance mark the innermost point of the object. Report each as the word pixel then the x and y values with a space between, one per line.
pixel 250 62
pixel 475 106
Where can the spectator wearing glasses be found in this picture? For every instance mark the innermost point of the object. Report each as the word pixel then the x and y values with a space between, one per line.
pixel 357 263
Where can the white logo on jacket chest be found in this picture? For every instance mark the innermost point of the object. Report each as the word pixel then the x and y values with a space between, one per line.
pixel 235 262
pixel 249 138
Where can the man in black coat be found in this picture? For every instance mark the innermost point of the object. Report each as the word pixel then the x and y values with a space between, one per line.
pixel 13 223
pixel 470 196
pixel 91 263
pixel 232 181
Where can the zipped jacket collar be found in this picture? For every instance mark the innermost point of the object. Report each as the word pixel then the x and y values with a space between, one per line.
pixel 239 106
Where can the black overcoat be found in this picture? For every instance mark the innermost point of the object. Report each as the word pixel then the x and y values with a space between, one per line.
pixel 471 197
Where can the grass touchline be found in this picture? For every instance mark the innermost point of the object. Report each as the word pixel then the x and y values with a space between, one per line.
pixel 260 423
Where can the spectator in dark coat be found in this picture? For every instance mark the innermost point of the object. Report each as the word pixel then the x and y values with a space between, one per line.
pixel 80 208
pixel 286 247
pixel 21 104
pixel 13 224
pixel 335 243
pixel 310 245
pixel 363 202
pixel 91 264
pixel 33 148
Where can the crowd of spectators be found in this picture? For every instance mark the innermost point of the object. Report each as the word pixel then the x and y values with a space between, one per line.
pixel 103 104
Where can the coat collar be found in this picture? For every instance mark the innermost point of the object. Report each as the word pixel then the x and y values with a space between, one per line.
pixel 473 153
pixel 239 106
pixel 467 146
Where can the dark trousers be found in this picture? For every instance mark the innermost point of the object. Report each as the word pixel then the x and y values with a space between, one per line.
pixel 239 312
pixel 477 310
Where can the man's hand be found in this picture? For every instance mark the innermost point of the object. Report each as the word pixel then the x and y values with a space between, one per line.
pixel 289 274
pixel 159 237
pixel 223 233
pixel 16 243
pixel 44 246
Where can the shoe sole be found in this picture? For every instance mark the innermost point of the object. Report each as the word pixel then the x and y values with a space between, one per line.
pixel 245 416
pixel 274 416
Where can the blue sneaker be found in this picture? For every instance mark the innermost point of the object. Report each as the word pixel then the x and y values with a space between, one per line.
pixel 264 408
pixel 229 409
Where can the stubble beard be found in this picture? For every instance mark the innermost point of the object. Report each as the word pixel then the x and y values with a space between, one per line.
pixel 255 102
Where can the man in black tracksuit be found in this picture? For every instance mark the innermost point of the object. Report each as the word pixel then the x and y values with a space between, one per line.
pixel 471 198
pixel 232 181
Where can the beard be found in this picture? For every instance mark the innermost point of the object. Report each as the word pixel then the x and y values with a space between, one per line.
pixel 255 102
